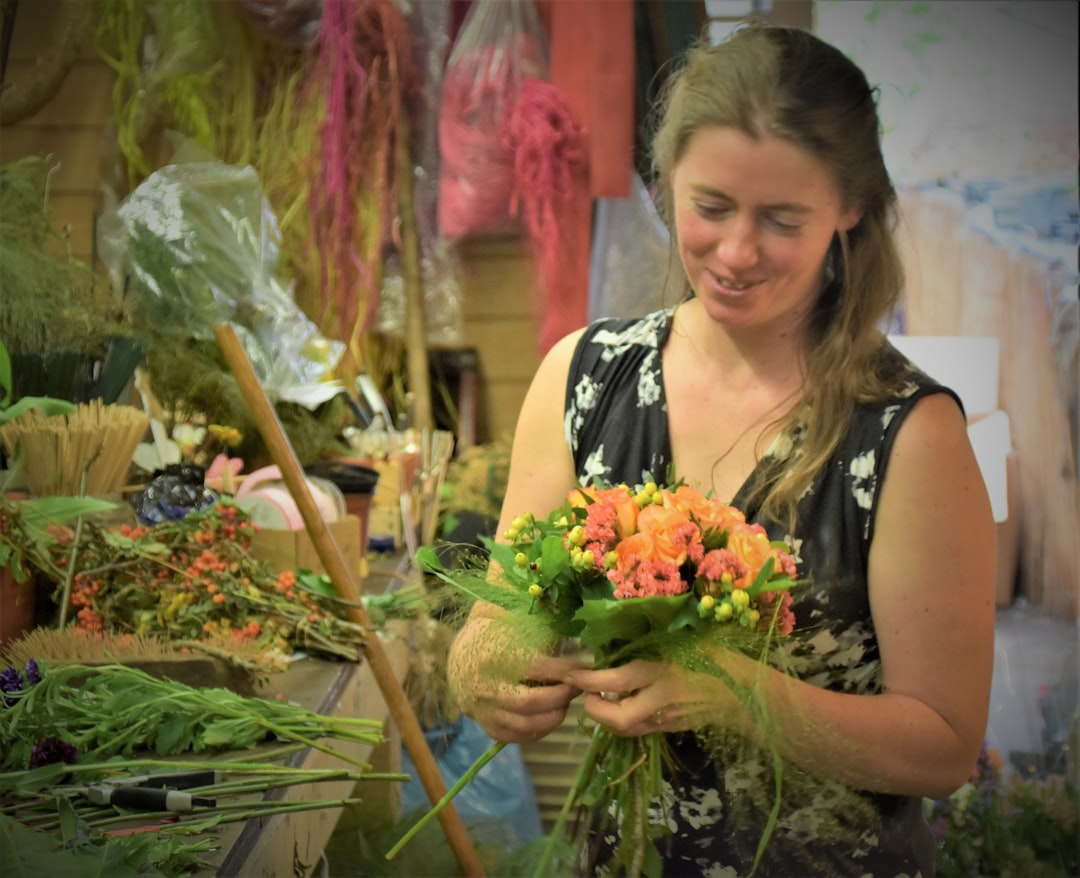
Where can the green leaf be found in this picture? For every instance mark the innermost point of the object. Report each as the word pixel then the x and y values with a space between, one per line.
pixel 69 820
pixel 427 559
pixel 554 558
pixel 317 582
pixel 47 405
pixel 138 546
pixel 762 578
pixel 611 621
pixel 37 513
pixel 687 617
pixel 504 556
pixel 173 736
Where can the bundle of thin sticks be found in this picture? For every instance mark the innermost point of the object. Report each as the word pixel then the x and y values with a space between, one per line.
pixel 97 440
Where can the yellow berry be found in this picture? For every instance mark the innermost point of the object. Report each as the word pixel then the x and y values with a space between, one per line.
pixel 724 611
pixel 535 590
pixel 740 599
pixel 708 601
pixel 521 559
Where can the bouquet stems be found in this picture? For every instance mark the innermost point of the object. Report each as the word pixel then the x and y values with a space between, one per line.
pixel 573 796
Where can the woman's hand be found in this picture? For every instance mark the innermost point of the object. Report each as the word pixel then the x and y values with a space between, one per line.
pixel 642 697
pixel 514 698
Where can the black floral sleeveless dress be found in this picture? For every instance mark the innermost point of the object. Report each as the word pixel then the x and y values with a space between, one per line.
pixel 716 807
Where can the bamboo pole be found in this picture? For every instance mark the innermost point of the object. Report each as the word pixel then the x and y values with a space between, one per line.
pixel 281 452
pixel 416 358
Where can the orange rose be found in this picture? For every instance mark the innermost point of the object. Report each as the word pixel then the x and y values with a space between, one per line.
pixel 619 499
pixel 670 531
pixel 709 514
pixel 752 545
pixel 634 548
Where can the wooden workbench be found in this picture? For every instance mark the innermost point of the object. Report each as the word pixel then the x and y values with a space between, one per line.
pixel 291 845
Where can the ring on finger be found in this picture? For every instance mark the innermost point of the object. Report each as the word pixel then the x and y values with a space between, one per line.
pixel 615 697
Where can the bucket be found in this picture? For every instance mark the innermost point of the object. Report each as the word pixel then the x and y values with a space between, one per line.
pixel 16 606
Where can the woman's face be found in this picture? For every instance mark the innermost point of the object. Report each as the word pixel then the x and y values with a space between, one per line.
pixel 754 220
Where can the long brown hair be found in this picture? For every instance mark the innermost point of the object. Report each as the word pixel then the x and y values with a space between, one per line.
pixel 787 83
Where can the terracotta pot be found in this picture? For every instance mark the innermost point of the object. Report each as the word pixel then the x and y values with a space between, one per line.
pixel 16 607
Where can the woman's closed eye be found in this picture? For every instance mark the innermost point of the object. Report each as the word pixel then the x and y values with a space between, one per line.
pixel 783 224
pixel 712 210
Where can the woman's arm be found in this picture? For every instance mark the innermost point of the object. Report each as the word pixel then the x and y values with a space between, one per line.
pixel 515 697
pixel 931 581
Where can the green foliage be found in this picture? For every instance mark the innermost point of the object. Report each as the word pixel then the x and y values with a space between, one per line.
pixel 52 301
pixel 117 710
pixel 1000 825
pixel 36 516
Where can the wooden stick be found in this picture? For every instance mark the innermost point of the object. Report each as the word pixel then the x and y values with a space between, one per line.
pixel 412 736
pixel 416 355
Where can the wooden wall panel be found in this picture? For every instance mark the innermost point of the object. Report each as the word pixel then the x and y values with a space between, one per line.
pixel 84 99
pixel 963 282
pixel 70 128
pixel 497 280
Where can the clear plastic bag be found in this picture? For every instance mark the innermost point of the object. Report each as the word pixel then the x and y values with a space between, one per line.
pixel 195 245
pixel 634 269
pixel 499 805
pixel 500 43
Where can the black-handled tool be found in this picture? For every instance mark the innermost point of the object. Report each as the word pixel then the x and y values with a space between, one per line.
pixel 151 792
pixel 143 798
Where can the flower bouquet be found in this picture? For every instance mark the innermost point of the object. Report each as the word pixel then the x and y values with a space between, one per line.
pixel 662 574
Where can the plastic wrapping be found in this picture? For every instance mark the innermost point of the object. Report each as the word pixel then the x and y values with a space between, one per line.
pixel 634 268
pixel 443 309
pixel 172 493
pixel 287 22
pixel 500 43
pixel 499 805
pixel 196 245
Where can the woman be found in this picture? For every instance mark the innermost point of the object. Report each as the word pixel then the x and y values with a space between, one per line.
pixel 772 386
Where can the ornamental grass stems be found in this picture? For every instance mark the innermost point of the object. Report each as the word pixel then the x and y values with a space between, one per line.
pixel 95 439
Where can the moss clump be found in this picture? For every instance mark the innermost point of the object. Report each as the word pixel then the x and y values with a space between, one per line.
pixel 192 380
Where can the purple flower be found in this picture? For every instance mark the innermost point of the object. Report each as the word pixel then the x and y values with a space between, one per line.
pixel 33 673
pixel 50 750
pixel 10 681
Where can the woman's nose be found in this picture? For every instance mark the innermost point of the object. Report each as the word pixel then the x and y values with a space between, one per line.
pixel 738 246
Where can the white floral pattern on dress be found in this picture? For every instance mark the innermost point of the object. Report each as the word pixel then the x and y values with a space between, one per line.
pixel 649 387
pixel 864 480
pixel 645 333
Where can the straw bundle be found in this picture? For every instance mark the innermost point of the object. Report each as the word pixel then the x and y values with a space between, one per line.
pixel 97 439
